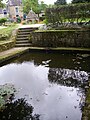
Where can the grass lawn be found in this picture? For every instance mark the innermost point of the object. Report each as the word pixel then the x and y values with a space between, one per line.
pixel 8 29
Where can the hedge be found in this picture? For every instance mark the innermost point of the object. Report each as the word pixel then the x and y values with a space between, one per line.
pixel 68 13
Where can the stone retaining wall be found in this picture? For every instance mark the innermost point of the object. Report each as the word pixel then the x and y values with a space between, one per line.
pixel 61 38
pixel 7 45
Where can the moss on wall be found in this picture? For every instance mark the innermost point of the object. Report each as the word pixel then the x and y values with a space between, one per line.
pixel 61 38
pixel 7 45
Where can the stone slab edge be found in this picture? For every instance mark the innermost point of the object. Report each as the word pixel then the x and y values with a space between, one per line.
pixel 12 55
pixel 61 49
pixel 17 53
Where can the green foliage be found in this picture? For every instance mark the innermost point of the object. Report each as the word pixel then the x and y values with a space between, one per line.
pixel 45 21
pixel 30 4
pixel 80 1
pixel 3 36
pixel 1 4
pixel 2 102
pixel 68 13
pixel 34 5
pixel 6 32
pixel 60 2
pixel 42 6
pixel 18 20
pixel 3 20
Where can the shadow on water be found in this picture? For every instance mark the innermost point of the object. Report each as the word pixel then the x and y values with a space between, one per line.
pixel 68 61
pixel 52 83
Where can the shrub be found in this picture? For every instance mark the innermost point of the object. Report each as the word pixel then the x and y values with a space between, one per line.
pixel 3 20
pixel 45 21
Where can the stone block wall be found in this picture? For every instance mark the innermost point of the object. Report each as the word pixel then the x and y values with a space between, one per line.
pixel 61 38
pixel 7 45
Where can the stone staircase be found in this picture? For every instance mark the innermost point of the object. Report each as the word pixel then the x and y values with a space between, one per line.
pixel 22 39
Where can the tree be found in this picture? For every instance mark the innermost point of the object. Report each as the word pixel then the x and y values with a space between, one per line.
pixel 34 5
pixel 30 4
pixel 60 2
pixel 1 4
pixel 80 1
pixel 71 12
pixel 42 6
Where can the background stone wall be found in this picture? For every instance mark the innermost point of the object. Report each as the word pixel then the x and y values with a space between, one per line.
pixel 61 38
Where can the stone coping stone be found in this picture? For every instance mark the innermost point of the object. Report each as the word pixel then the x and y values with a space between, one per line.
pixel 12 53
pixel 64 49
pixel 15 52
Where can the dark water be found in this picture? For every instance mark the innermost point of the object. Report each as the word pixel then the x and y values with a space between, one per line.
pixel 51 83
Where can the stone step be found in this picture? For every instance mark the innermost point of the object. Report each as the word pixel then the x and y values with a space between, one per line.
pixel 28 28
pixel 23 45
pixel 19 39
pixel 22 41
pixel 23 32
pixel 22 35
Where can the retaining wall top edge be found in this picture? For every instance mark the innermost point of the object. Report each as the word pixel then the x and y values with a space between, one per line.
pixel 46 31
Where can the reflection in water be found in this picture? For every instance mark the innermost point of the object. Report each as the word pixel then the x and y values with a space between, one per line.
pixel 37 84
pixel 18 110
pixel 67 77
pixel 50 101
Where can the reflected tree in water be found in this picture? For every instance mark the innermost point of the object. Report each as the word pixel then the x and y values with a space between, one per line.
pixel 18 110
pixel 68 77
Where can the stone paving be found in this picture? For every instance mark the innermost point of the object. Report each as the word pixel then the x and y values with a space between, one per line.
pixel 12 50
pixel 11 53
pixel 32 26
